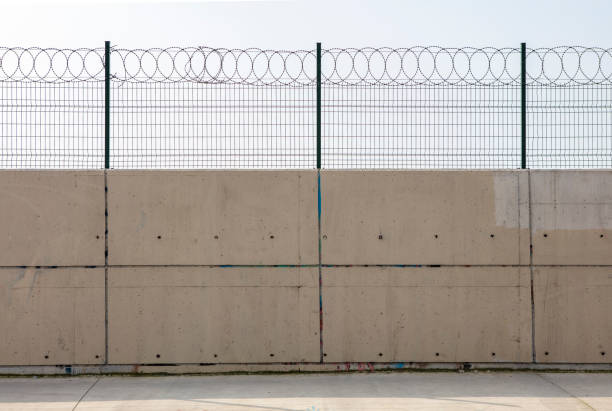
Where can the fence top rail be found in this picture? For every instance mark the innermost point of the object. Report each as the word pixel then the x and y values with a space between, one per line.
pixel 369 66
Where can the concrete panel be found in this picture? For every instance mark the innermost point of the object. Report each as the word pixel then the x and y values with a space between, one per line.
pixel 424 217
pixel 51 316
pixel 573 314
pixel 446 314
pixel 572 217
pixel 212 217
pixel 213 315
pixel 51 218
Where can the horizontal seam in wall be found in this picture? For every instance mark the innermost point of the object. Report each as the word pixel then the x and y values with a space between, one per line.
pixel 50 267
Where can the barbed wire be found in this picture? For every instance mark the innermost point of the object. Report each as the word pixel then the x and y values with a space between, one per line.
pixel 414 66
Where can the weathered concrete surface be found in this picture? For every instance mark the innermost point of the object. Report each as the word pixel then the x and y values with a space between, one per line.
pixel 51 316
pixel 239 316
pixel 376 391
pixel 51 218
pixel 572 217
pixel 212 217
pixel 444 314
pixel 213 314
pixel 424 217
pixel 573 314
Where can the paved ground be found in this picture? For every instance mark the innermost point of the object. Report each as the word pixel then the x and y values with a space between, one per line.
pixel 376 391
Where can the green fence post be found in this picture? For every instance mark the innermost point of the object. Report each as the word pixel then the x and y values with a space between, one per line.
pixel 523 105
pixel 107 104
pixel 318 105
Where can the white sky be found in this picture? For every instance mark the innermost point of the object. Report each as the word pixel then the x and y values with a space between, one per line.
pixel 299 24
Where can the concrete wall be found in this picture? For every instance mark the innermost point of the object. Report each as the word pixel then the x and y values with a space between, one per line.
pixel 213 315
pixel 212 217
pixel 52 316
pixel 425 217
pixel 51 218
pixel 272 267
pixel 573 314
pixel 572 217
pixel 425 314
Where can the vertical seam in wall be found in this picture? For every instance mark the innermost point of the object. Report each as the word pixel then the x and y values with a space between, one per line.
pixel 320 275
pixel 520 261
pixel 105 268
pixel 533 337
pixel 518 196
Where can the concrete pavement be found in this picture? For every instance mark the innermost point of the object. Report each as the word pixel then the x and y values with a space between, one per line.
pixel 372 391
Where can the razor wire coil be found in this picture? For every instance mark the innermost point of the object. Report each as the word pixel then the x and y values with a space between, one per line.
pixel 414 66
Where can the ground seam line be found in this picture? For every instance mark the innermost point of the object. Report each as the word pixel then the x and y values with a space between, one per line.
pixel 565 391
pixel 85 394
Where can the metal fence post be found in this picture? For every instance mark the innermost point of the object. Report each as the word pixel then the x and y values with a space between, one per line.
pixel 523 105
pixel 318 105
pixel 107 104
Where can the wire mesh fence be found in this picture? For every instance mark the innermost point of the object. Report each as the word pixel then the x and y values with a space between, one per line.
pixel 419 107
pixel 51 116
pixel 212 108
pixel 569 107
